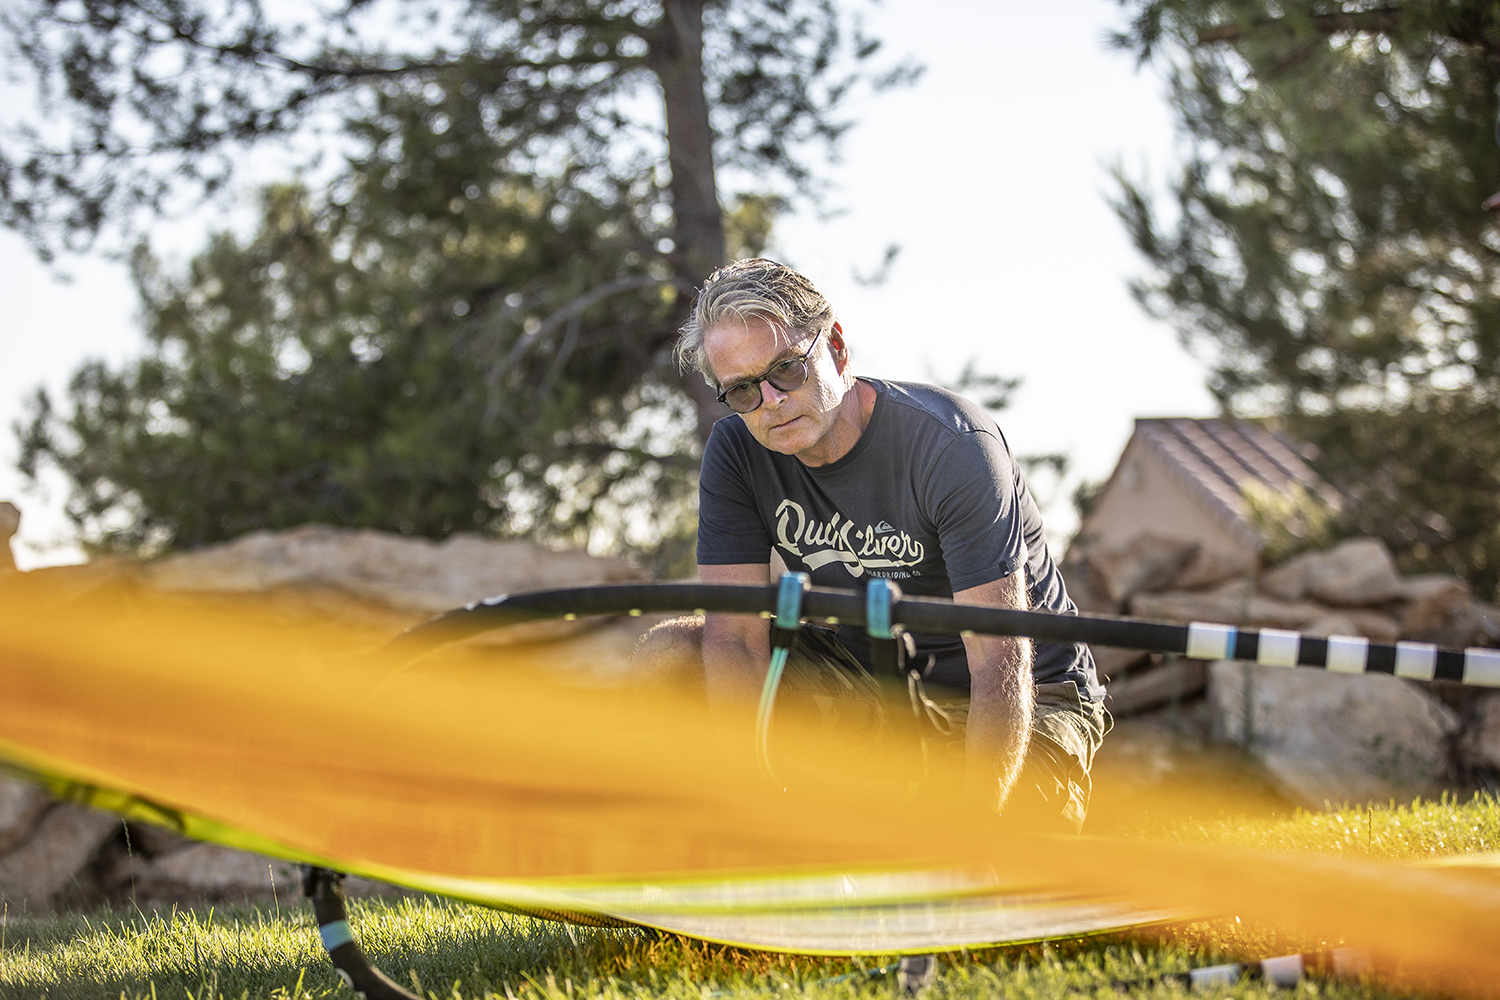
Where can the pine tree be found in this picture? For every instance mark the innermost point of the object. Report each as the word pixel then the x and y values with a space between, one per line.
pixel 1325 247
pixel 469 328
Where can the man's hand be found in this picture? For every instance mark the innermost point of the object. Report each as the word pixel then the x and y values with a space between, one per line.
pixel 1001 698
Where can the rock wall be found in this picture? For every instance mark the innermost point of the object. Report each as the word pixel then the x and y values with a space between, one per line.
pixel 1319 737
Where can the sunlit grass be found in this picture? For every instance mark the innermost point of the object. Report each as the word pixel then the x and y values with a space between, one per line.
pixel 451 950
pixel 1383 833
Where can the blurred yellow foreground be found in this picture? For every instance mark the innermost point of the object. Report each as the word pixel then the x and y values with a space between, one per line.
pixel 484 775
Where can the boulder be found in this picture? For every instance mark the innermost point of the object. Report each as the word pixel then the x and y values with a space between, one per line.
pixel 1352 574
pixel 196 873
pixel 210 873
pixel 1333 737
pixel 1355 621
pixel 1486 623
pixel 1227 607
pixel 1481 744
pixel 1081 590
pixel 387 580
pixel 1112 661
pixel 1211 567
pixel 1145 563
pixel 1439 608
pixel 10 522
pixel 1175 680
pixel 63 843
pixel 153 841
pixel 21 809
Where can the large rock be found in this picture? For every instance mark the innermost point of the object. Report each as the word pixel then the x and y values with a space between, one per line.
pixel 1175 680
pixel 1333 737
pixel 1076 578
pixel 384 579
pixel 1486 623
pixel 1228 607
pixel 1372 625
pixel 1211 567
pixel 63 843
pixel 1481 745
pixel 1145 563
pixel 1113 662
pixel 210 873
pixel 1439 608
pixel 21 809
pixel 195 873
pixel 1351 574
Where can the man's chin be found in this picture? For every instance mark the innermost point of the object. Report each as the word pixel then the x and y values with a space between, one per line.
pixel 787 438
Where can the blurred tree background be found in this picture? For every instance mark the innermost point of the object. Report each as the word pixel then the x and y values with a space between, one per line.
pixel 469 326
pixel 1323 246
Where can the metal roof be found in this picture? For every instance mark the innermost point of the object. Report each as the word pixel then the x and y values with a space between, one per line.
pixel 1215 458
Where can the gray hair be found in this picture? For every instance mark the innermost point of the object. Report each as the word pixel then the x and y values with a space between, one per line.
pixel 754 288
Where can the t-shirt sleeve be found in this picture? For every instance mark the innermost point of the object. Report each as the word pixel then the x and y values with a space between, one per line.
pixel 971 497
pixel 730 531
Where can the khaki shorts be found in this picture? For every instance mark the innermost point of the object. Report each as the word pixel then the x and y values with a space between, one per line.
pixel 1052 793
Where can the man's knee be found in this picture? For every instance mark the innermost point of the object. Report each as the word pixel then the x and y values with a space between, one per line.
pixel 670 654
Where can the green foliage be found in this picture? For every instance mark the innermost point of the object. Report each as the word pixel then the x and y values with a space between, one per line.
pixel 1425 477
pixel 1290 522
pixel 747 224
pixel 1323 244
pixel 145 104
pixel 469 328
pixel 386 362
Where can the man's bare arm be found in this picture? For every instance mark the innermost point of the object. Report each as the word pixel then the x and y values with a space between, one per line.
pixel 1001 698
pixel 736 650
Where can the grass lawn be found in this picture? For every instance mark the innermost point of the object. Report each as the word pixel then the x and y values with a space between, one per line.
pixel 449 950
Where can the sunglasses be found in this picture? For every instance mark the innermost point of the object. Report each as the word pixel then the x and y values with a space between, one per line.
pixel 745 397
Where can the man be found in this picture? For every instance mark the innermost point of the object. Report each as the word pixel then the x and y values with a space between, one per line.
pixel 849 478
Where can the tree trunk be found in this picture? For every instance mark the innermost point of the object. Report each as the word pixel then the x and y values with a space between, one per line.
pixel 699 223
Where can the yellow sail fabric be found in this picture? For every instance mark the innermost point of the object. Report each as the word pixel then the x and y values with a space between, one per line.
pixel 484 775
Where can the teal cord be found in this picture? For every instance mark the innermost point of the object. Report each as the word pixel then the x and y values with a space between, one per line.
pixel 763 713
pixel 789 594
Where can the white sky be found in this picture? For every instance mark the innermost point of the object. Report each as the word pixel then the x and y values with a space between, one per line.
pixel 992 173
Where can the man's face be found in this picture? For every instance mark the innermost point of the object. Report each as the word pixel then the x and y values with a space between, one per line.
pixel 791 423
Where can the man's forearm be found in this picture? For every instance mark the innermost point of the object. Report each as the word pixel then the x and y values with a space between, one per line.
pixel 1001 701
pixel 733 674
pixel 733 671
pixel 1001 695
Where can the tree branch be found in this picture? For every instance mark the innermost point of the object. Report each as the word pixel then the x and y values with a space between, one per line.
pixel 1381 20
pixel 320 72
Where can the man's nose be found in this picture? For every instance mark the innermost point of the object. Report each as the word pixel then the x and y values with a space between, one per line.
pixel 772 396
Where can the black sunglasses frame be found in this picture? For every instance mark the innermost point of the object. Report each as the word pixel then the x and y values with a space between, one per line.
pixel 772 375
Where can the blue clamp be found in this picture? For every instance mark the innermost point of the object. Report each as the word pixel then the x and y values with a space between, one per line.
pixel 789 601
pixel 880 597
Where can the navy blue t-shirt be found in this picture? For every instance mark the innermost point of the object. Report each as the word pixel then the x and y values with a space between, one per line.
pixel 929 496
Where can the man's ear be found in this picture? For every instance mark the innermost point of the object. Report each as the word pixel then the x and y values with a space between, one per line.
pixel 840 349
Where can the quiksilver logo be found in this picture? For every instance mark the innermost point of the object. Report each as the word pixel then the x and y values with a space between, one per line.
pixel 830 541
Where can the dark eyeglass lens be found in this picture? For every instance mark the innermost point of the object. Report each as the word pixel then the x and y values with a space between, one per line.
pixel 745 396
pixel 788 375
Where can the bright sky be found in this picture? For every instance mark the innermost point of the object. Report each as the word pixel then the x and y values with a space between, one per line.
pixel 992 173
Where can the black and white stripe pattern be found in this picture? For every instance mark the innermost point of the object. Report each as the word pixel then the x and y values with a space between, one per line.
pixel 1344 654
